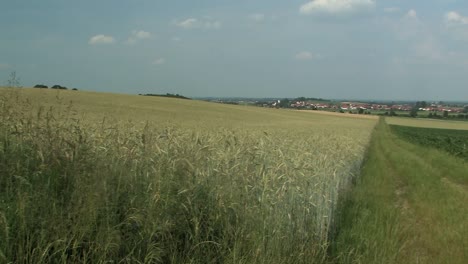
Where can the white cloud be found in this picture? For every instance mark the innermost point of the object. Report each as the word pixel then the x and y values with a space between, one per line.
pixel 192 23
pixel 391 9
pixel 188 23
pixel 411 14
pixel 101 39
pixel 457 25
pixel 141 34
pixel 257 17
pixel 304 55
pixel 336 7
pixel 454 18
pixel 138 35
pixel 159 61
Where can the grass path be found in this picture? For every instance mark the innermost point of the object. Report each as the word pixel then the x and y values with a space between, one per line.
pixel 408 207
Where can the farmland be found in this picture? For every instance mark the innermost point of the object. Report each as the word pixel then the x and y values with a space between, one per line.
pixel 428 123
pixel 94 177
pixel 454 142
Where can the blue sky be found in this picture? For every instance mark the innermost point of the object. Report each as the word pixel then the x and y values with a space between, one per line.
pixel 358 49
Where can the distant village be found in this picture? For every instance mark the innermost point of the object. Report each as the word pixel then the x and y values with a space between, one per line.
pixel 347 106
pixel 394 108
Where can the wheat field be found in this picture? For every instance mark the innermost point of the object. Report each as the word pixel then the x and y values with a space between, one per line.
pixel 104 178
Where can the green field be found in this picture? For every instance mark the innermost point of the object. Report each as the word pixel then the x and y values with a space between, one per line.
pixel 453 141
pixel 429 123
pixel 93 177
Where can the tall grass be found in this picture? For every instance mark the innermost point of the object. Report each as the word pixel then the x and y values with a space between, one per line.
pixel 71 191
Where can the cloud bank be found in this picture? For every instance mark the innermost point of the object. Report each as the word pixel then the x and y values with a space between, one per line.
pixel 454 18
pixel 336 7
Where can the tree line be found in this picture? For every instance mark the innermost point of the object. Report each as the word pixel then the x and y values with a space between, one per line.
pixel 56 86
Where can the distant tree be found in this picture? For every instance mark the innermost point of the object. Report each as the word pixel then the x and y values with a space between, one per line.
pixel 75 89
pixel 465 109
pixel 14 80
pixel 392 112
pixel 41 86
pixel 59 87
pixel 285 103
pixel 360 111
pixel 429 115
pixel 446 114
pixel 414 111
pixel 421 104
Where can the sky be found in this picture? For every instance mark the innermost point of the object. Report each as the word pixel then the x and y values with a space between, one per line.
pixel 353 49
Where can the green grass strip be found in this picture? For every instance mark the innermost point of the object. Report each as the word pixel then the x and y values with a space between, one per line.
pixel 408 206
